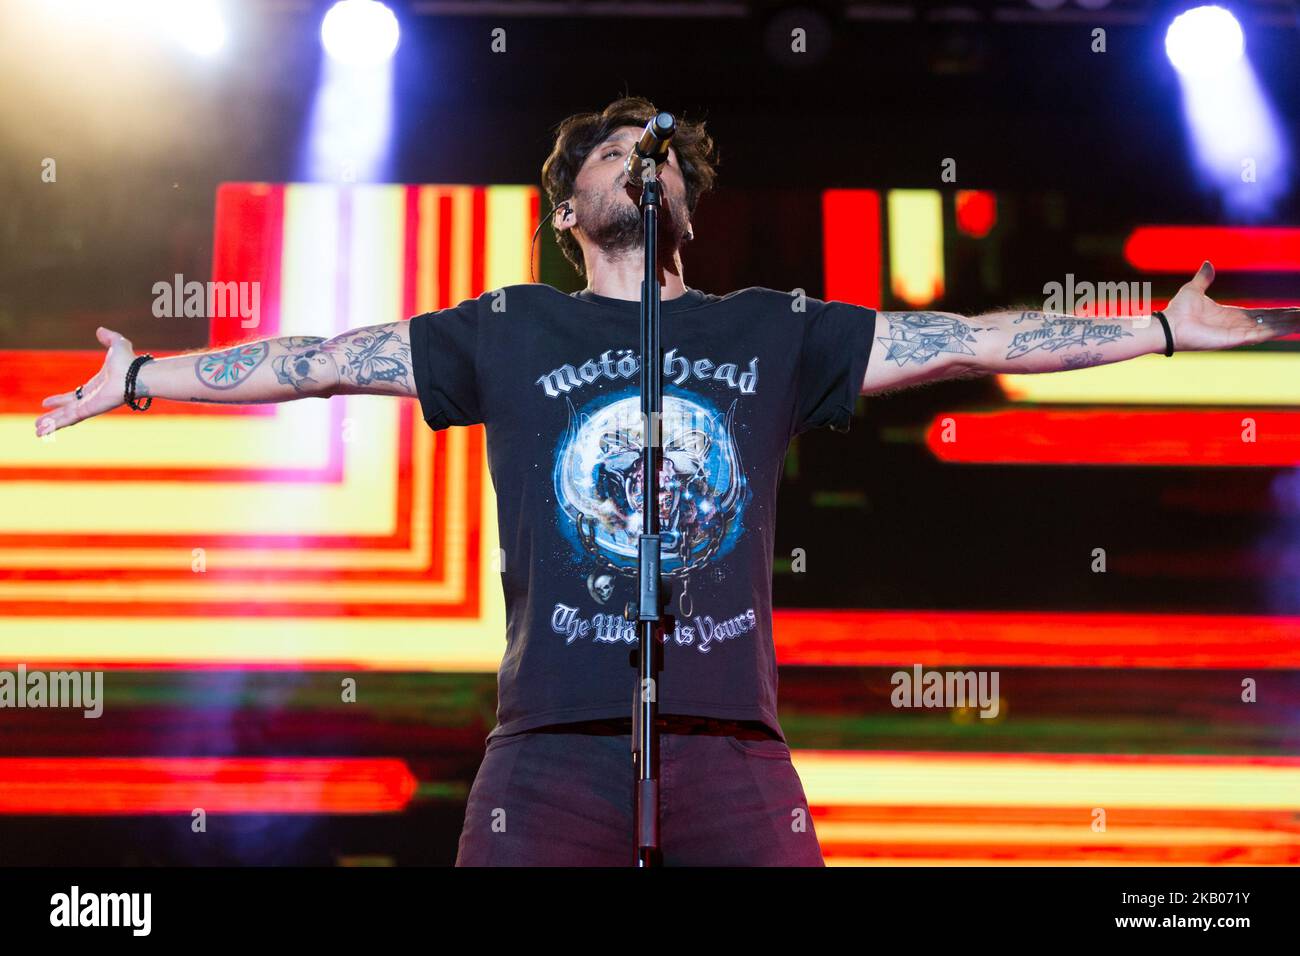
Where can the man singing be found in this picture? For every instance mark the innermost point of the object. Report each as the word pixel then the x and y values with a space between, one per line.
pixel 554 378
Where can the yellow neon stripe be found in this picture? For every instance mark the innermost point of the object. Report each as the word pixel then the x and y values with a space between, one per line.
pixel 318 559
pixel 915 245
pixel 1190 378
pixel 957 833
pixel 509 231
pixel 426 292
pixel 375 256
pixel 201 588
pixel 309 260
pixel 858 779
pixel 362 504
pixel 416 557
pixel 400 643
pixel 146 441
pixel 462 243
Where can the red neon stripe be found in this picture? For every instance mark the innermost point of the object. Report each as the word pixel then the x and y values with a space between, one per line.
pixel 241 608
pixel 976 211
pixel 126 785
pixel 471 557
pixel 478 241
pixel 198 664
pixel 851 245
pixel 411 252
pixel 445 208
pixel 534 249
pixel 331 472
pixel 1102 437
pixel 249 232
pixel 28 375
pixel 1230 248
pixel 1131 818
pixel 847 638
pixel 1111 851
pixel 1034 639
pixel 937 639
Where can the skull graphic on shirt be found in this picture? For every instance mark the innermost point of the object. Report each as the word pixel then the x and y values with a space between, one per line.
pixel 599 483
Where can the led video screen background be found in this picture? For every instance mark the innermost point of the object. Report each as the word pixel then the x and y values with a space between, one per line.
pixel 231 567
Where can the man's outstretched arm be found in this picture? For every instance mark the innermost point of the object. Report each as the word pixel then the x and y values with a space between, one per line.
pixel 373 360
pixel 912 348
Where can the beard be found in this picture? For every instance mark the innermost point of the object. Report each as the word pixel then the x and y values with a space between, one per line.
pixel 616 227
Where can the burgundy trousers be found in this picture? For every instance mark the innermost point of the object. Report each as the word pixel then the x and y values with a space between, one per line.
pixel 566 799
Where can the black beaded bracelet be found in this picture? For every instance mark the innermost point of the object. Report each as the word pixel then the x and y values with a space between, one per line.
pixel 131 374
pixel 1169 336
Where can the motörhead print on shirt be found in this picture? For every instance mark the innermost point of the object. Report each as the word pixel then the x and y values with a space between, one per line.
pixel 555 379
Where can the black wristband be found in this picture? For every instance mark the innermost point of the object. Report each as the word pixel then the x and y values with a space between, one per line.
pixel 1169 336
pixel 131 374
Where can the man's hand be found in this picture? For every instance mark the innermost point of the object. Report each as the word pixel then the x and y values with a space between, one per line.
pixel 373 360
pixel 1199 323
pixel 103 393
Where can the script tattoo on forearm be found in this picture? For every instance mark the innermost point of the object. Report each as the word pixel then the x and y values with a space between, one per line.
pixel 232 401
pixel 229 368
pixel 1083 360
pixel 917 337
pixel 1056 332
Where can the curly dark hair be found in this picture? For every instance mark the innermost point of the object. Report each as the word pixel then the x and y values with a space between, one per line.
pixel 578 135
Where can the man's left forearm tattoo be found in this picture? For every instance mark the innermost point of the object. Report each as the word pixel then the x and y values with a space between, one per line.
pixel 370 356
pixel 1051 332
pixel 918 337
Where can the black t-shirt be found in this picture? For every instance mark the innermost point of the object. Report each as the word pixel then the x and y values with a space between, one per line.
pixel 555 379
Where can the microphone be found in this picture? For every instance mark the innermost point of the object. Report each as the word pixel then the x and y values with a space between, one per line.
pixel 653 145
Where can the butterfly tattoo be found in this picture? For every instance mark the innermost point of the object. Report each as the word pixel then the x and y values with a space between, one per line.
pixel 377 357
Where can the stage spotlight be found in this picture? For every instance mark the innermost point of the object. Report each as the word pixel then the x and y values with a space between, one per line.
pixel 1239 145
pixel 351 123
pixel 198 26
pixel 360 32
pixel 1204 41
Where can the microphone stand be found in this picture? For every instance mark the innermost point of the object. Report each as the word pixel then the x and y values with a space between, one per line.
pixel 649 610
